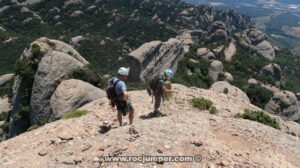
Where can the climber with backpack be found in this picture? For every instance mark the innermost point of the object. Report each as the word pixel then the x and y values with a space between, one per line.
pixel 118 95
pixel 158 89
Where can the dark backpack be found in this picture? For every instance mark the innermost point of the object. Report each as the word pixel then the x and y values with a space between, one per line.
pixel 153 84
pixel 111 90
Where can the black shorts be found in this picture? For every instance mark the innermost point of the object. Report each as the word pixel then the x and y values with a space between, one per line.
pixel 124 106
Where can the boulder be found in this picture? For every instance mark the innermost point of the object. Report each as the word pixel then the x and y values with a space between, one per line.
pixel 24 10
pixel 217 35
pixel 255 40
pixel 4 105
pixel 76 13
pixel 217 31
pixel 256 36
pixel 252 81
pixel 205 54
pixel 284 104
pixel 76 41
pixel 73 94
pixel 4 79
pixel 228 76
pixel 232 90
pixel 56 60
pixel 266 49
pixel 92 8
pixel 154 57
pixel 216 67
pixel 273 70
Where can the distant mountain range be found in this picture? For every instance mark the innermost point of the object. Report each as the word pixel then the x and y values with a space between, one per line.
pixel 278 18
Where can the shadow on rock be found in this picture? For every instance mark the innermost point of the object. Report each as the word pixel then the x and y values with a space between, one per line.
pixel 152 115
pixel 104 129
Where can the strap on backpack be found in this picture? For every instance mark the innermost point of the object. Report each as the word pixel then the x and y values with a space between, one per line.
pixel 114 89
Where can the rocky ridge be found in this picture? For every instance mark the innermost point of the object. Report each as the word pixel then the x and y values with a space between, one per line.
pixel 221 140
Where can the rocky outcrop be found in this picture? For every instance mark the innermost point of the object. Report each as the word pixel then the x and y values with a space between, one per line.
pixel 4 79
pixel 255 40
pixel 154 57
pixel 76 13
pixel 51 61
pixel 4 105
pixel 252 81
pixel 217 32
pixel 76 41
pixel 188 39
pixel 230 51
pixel 228 76
pixel 284 104
pixel 273 70
pixel 205 53
pixel 72 2
pixel 216 67
pixel 53 67
pixel 72 94
pixel 233 91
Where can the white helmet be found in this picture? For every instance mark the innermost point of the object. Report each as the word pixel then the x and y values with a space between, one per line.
pixel 123 71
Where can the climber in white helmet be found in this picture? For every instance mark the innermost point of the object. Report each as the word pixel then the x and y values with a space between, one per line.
pixel 119 95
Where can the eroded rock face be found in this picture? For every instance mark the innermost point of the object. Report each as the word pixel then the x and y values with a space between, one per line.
pixel 53 67
pixel 72 94
pixel 284 104
pixel 4 79
pixel 55 61
pixel 255 40
pixel 153 58
pixel 221 86
pixel 273 70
